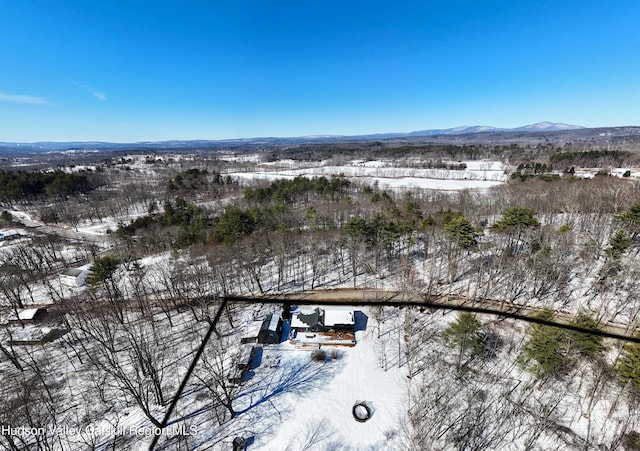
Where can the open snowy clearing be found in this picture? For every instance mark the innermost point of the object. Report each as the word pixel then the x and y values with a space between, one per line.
pixel 397 183
pixel 478 175
pixel 327 406
pixel 292 400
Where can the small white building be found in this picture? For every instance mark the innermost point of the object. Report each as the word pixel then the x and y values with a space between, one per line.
pixel 9 235
pixel 31 335
pixel 74 277
pixel 29 315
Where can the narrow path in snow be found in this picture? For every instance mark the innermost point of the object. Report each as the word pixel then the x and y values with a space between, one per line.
pixel 30 223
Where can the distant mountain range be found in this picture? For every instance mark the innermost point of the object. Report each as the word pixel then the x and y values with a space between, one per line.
pixel 84 147
pixel 537 127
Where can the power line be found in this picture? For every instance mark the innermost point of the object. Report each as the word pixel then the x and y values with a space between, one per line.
pixel 187 376
pixel 420 303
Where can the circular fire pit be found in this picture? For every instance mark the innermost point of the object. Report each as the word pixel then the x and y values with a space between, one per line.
pixel 361 411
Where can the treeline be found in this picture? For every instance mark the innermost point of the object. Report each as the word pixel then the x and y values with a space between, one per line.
pixel 590 157
pixel 184 224
pixel 327 204
pixel 25 185
pixel 269 208
pixel 595 158
pixel 381 149
pixel 291 191
pixel 196 179
pixel 534 169
pixel 556 155
pixel 191 223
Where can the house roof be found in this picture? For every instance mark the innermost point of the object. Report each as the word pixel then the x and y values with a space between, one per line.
pixel 6 235
pixel 336 316
pixel 307 318
pixel 27 314
pixel 253 328
pixel 29 333
pixel 326 317
pixel 273 324
pixel 72 272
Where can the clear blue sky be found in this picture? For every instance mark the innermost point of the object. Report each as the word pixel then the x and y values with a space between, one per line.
pixel 133 71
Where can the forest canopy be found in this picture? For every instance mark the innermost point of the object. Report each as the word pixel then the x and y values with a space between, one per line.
pixel 23 185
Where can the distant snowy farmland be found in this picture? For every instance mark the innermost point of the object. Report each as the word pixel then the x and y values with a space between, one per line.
pixel 478 175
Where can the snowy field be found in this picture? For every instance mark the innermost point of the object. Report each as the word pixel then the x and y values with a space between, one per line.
pixel 292 401
pixel 478 175
pixel 110 224
pixel 589 173
pixel 325 408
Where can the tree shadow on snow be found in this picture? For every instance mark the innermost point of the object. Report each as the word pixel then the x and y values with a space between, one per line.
pixel 360 320
pixel 267 406
pixel 260 406
pixel 286 331
pixel 298 378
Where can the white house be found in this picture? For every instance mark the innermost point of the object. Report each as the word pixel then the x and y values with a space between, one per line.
pixel 74 277
pixel 328 319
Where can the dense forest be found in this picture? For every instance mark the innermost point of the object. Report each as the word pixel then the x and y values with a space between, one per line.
pixel 31 185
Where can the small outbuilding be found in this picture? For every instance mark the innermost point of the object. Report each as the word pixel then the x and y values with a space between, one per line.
pixel 9 235
pixel 31 335
pixel 246 357
pixel 271 330
pixel 74 277
pixel 28 316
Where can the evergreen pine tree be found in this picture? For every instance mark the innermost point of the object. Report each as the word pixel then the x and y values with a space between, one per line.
pixel 544 354
pixel 515 219
pixel 461 231
pixel 618 243
pixel 102 269
pixel 628 367
pixel 465 333
pixel 586 344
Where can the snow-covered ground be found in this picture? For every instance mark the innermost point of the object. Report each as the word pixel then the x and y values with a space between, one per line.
pixel 291 401
pixel 250 158
pixel 326 406
pixel 478 175
pixel 110 224
pixel 589 173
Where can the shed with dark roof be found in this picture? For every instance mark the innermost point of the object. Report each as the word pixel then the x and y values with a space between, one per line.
pixel 271 330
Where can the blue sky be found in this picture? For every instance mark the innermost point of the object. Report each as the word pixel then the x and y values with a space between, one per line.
pixel 135 71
